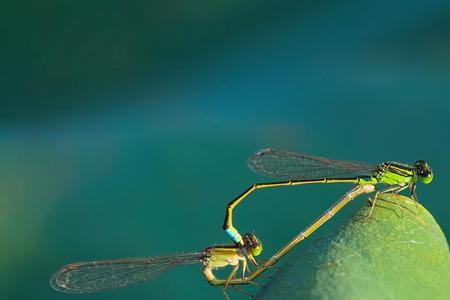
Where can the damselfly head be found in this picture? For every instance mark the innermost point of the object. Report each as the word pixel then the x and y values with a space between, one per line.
pixel 423 171
pixel 252 244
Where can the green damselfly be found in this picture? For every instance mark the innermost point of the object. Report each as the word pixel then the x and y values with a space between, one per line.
pixel 96 276
pixel 299 169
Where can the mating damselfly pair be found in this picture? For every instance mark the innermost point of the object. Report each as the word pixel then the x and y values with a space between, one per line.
pixel 293 169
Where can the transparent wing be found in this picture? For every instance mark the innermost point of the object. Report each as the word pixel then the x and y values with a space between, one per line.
pixel 298 166
pixel 94 276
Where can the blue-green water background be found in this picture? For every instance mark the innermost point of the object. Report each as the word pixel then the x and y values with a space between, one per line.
pixel 125 126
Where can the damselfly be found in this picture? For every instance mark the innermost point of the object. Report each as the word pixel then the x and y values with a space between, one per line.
pixel 95 276
pixel 298 169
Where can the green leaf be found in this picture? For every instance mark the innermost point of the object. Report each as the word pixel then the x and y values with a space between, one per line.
pixel 396 253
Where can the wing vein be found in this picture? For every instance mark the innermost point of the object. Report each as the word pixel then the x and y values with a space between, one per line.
pixel 298 166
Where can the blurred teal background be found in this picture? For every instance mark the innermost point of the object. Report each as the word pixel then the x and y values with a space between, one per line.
pixel 125 126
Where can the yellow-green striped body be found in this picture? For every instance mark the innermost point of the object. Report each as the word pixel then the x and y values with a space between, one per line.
pixel 221 256
pixel 218 257
pixel 391 173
